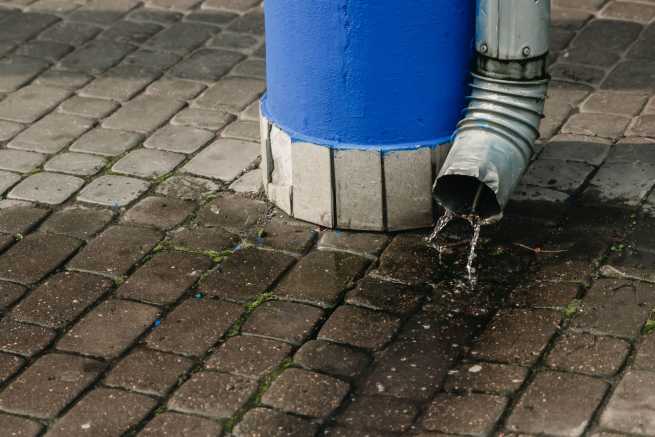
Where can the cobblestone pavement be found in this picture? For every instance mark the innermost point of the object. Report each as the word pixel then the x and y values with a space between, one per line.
pixel 145 287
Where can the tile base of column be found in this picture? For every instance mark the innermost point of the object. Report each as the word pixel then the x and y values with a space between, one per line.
pixel 356 189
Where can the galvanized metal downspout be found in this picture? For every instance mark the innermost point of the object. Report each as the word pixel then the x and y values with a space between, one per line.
pixel 494 143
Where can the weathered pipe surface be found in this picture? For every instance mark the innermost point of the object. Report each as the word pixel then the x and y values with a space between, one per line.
pixel 382 74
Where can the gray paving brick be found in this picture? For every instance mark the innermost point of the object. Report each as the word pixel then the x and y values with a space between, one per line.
pixel 143 114
pixel 248 356
pixel 79 164
pixel 103 11
pixel 217 18
pixel 182 37
pixel 332 359
pixel 70 80
pixel 17 71
pixel 630 408
pixel 242 130
pixel 577 148
pixel 77 221
pixel 109 329
pixel 473 414
pixel 182 5
pixel 285 321
pixel 492 378
pixel 179 139
pixel 23 339
pixel 643 126
pixel 130 32
pixel 632 74
pixel 250 22
pixel 71 33
pixel 45 187
pixel 263 421
pixel 181 424
pixel 121 83
pixel 175 89
pixel 51 134
pixel 154 15
pixel 203 118
pixel 623 103
pixel 18 426
pixel 225 159
pixel 106 142
pixel 250 182
pixel 557 175
pixel 49 384
pixel 23 26
pixel 20 219
pixel 236 5
pixel 596 125
pixel 147 163
pixel 153 60
pixel 7 180
pixel 232 93
pixel 640 12
pixel 233 41
pixel 359 327
pixel 187 188
pixel 88 107
pixel 9 129
pixel 54 6
pixel 593 355
pixel 49 51
pixel 116 250
pixel 621 183
pixel 206 64
pixel 104 411
pixel 31 102
pixel 96 56
pixel 160 212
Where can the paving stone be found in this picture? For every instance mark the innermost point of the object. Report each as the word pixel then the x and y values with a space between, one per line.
pixel 203 118
pixel 379 413
pixel 598 313
pixel 582 353
pixel 45 388
pixel 623 103
pixel 45 187
pixel 232 93
pixel 283 233
pixel 65 79
pixel 109 329
pixel 19 427
pixel 236 5
pixel 114 191
pixel 250 22
pixel 22 339
pixel 321 277
pixel 106 142
pixel 61 299
pixel 251 112
pixel 242 130
pixel 557 404
pixel 79 164
pixel 121 83
pixel 21 27
pixel 147 371
pixel 577 148
pixel 182 38
pixel 408 259
pixel 212 394
pixel 600 125
pixel 643 126
pixel 246 274
pixel 148 163
pixel 32 258
pixel 321 394
pixel 30 103
pixel 116 250
pixel 224 159
pixel 164 278
pixel 386 296
pixel 9 129
pixel 645 358
pixel 71 33
pixel 630 11
pixel 287 321
pixel 51 134
pixel 250 182
pixel 234 213
pixel 160 212
pixel 643 47
pixel 77 221
pixel 20 220
pixel 179 139
pixel 633 74
pixel 96 56
pixel 361 243
pixel 359 327
pixel 255 68
pixel 341 431
pixel 20 161
pixel 187 188
pixel 204 240
pixel 10 293
pixel 330 358
pixel 474 414
pixel 541 294
pixel 153 60
pixel 54 6
pixel 48 51
pixel 6 241
pixel 630 408
pixel 194 326
pixel 175 89
pixel 173 424
pixel 104 411
pixel 17 71
pixel 129 32
pixel 143 114
pixel 206 64
pixel 517 336
pixel 500 379
pixel 9 365
pixel 262 421
pixel 621 184
pixel 252 357
pixel 103 11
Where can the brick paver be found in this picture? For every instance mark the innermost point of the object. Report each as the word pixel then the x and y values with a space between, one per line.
pixel 147 289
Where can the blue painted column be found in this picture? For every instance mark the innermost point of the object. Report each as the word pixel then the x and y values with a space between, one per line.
pixel 353 84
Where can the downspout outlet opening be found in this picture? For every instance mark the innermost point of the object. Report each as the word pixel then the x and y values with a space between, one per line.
pixel 460 193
